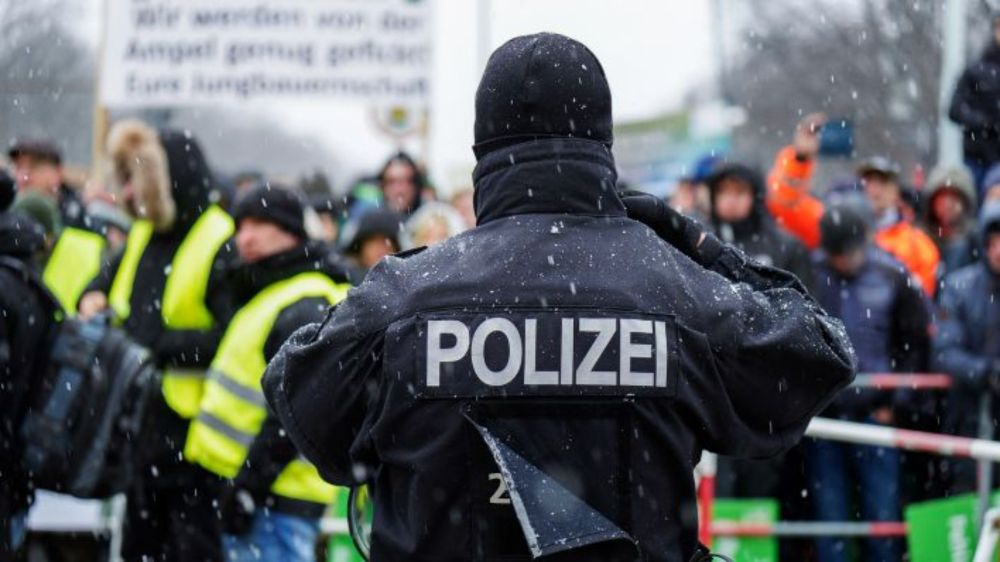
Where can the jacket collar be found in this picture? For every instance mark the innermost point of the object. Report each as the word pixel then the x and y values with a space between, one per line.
pixel 572 176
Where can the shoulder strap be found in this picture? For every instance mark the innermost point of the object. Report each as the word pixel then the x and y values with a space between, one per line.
pixel 32 279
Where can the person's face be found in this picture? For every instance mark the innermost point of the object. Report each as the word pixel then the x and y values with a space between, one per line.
pixel 993 252
pixel 849 263
pixel 948 207
pixel 882 192
pixel 374 248
pixel 733 200
pixel 399 187
pixel 258 239
pixel 38 175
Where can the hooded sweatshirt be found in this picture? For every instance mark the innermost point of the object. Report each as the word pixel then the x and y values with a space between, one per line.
pixel 959 245
pixel 757 235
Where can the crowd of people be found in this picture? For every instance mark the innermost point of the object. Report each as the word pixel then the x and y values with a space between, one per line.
pixel 213 279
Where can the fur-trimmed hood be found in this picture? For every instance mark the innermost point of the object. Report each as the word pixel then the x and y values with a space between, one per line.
pixel 170 176
pixel 138 157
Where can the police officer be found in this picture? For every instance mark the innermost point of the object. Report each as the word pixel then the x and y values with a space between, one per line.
pixel 167 290
pixel 76 256
pixel 544 384
pixel 282 283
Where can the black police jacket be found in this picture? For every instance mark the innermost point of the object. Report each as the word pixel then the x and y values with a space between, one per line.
pixel 545 383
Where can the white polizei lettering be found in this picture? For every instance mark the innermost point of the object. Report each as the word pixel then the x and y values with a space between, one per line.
pixel 566 353
pixel 605 330
pixel 661 353
pixel 532 376
pixel 629 351
pixel 479 366
pixel 436 355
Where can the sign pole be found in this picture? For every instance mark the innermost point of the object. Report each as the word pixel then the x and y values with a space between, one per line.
pixel 99 128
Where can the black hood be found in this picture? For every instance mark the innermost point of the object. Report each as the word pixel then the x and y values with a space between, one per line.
pixel 541 85
pixel 573 176
pixel 20 236
pixel 758 215
pixel 249 279
pixel 191 182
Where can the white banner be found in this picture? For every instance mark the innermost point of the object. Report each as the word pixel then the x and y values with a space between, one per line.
pixel 169 52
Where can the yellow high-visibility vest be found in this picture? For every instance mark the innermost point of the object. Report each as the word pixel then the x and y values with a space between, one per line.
pixel 233 407
pixel 74 262
pixel 183 306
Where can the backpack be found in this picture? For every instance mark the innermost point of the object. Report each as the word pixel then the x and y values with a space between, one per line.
pixel 86 414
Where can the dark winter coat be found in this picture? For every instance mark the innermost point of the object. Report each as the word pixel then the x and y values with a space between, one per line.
pixel 976 106
pixel 190 190
pixel 742 367
pixel 757 235
pixel 967 342
pixel 272 450
pixel 887 318
pixel 26 317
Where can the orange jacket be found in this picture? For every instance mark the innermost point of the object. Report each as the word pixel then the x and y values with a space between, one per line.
pixel 789 200
pixel 914 249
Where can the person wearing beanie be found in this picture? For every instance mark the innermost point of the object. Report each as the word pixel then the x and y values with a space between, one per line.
pixel 372 237
pixel 272 502
pixel 44 211
pixel 167 287
pixel 542 384
pixel 965 343
pixel 887 318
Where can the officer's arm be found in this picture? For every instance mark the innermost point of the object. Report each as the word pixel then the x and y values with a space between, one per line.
pixel 779 357
pixel 320 384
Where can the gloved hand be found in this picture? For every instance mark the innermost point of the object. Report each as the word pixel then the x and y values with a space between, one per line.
pixel 237 507
pixel 679 231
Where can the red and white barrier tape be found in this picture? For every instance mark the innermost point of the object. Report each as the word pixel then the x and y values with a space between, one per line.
pixel 936 443
pixel 876 529
pixel 892 381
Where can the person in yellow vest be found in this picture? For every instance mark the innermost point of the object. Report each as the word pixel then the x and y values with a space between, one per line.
pixel 75 258
pixel 167 288
pixel 272 507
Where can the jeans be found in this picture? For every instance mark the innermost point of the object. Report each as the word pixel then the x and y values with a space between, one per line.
pixel 274 536
pixel 874 471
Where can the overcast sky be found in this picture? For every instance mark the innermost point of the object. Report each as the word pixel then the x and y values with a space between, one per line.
pixel 653 52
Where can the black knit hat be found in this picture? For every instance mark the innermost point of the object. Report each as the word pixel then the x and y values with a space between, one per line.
pixel 843 228
pixel 542 85
pixel 273 203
